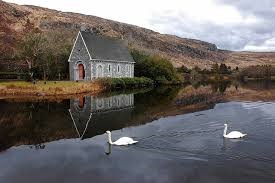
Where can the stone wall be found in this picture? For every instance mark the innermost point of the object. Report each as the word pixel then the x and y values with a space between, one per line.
pixel 111 103
pixel 82 107
pixel 112 69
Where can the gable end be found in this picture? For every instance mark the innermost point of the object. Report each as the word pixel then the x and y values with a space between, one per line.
pixel 79 50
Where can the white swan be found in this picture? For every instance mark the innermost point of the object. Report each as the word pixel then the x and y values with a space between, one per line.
pixel 232 135
pixel 123 141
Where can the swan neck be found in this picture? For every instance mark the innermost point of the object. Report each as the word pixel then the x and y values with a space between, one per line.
pixel 225 131
pixel 110 138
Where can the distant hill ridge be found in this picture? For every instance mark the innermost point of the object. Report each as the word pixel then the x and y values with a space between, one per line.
pixel 180 51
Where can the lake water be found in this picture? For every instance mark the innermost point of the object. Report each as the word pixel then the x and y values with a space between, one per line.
pixel 179 130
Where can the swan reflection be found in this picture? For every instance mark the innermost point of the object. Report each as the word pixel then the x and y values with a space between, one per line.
pixel 229 143
pixel 109 150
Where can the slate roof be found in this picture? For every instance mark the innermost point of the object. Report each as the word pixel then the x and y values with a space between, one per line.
pixel 105 48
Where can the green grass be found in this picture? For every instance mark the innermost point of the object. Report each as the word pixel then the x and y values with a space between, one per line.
pixel 39 83
pixel 48 88
pixel 71 87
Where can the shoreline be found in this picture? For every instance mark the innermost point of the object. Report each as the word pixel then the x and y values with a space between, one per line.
pixel 50 89
pixel 65 89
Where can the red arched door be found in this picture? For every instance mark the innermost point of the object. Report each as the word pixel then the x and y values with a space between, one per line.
pixel 81 71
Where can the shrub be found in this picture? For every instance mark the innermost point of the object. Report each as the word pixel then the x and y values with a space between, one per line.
pixel 183 69
pixel 154 67
pixel 259 71
pixel 118 83
pixel 161 80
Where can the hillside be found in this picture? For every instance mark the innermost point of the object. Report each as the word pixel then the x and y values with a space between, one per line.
pixel 15 19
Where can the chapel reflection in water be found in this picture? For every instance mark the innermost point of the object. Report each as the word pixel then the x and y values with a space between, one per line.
pixel 92 115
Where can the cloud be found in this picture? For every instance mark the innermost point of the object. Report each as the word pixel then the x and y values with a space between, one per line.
pixel 230 24
pixel 267 45
pixel 233 25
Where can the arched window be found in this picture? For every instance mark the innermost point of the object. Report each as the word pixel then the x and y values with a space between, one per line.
pixel 110 103
pixel 100 104
pixel 99 71
pixel 132 70
pixel 118 68
pixel 118 103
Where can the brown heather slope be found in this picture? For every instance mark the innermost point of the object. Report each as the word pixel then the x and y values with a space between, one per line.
pixel 14 20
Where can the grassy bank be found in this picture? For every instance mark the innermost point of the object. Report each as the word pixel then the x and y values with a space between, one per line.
pixel 49 88
pixel 54 88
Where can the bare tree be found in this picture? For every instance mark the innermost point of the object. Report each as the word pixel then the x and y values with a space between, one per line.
pixel 46 53
pixel 31 50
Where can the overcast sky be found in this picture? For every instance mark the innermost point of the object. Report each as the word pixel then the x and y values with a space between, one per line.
pixel 230 24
